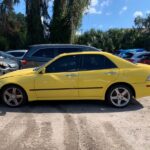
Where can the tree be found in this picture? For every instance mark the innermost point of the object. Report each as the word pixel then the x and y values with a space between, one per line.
pixel 36 10
pixel 66 19
pixel 6 7
pixel 15 35
pixel 12 26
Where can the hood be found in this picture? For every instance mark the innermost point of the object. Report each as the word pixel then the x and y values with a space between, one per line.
pixel 22 72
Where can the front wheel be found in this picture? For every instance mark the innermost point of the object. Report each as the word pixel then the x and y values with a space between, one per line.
pixel 119 96
pixel 13 96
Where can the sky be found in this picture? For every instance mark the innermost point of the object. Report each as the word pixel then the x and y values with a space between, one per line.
pixel 106 14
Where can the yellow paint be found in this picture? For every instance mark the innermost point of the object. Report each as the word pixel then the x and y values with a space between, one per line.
pixel 84 84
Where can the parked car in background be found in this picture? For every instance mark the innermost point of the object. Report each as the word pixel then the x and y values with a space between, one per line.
pixel 136 58
pixel 40 54
pixel 122 52
pixel 19 54
pixel 145 59
pixel 8 63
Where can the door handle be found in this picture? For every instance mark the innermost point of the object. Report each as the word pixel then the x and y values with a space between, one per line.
pixel 110 73
pixel 71 75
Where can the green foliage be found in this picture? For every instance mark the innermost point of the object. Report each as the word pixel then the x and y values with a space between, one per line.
pixel 114 39
pixel 34 25
pixel 66 19
pixel 13 34
pixel 18 31
pixel 4 44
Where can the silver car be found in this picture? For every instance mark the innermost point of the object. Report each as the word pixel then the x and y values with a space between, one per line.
pixel 19 54
pixel 8 63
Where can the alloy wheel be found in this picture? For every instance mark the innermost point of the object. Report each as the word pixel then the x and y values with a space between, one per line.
pixel 120 97
pixel 13 96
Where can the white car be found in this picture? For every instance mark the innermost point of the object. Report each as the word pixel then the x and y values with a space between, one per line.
pixel 135 57
pixel 19 54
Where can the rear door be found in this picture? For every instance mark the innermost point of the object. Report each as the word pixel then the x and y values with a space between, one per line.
pixel 95 74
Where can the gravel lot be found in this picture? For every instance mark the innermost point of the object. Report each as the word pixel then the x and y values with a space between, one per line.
pixel 72 125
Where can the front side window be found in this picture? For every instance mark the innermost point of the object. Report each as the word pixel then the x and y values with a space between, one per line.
pixel 44 53
pixel 64 64
pixel 96 62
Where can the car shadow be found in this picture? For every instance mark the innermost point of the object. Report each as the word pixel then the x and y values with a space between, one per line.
pixel 75 107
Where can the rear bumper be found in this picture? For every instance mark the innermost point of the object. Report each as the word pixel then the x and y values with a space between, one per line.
pixel 142 89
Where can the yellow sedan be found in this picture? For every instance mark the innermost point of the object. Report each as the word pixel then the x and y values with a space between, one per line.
pixel 78 76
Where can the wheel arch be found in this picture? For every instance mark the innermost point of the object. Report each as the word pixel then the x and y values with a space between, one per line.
pixel 121 83
pixel 13 84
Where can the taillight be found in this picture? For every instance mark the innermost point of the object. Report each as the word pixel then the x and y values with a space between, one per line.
pixel 23 62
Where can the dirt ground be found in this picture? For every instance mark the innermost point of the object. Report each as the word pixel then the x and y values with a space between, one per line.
pixel 74 125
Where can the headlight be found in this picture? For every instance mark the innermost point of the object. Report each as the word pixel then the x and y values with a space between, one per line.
pixel 3 65
pixel 148 79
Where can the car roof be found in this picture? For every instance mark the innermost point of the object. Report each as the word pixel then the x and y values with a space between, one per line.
pixel 17 51
pixel 61 45
pixel 121 63
pixel 82 53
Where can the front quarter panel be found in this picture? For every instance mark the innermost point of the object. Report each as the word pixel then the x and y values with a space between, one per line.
pixel 26 82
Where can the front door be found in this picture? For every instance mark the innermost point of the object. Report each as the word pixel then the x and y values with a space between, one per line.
pixel 59 81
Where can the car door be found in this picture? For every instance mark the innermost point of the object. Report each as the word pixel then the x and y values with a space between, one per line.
pixel 96 72
pixel 59 80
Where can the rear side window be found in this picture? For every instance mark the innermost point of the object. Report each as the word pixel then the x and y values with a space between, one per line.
pixel 96 62
pixel 44 53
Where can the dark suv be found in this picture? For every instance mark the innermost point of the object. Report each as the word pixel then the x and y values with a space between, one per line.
pixel 40 54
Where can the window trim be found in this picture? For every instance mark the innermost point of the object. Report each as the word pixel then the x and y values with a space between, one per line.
pixel 82 61
pixel 77 69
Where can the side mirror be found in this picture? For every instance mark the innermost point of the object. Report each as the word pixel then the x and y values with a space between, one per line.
pixel 42 71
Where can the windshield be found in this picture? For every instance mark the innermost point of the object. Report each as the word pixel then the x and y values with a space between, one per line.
pixel 7 56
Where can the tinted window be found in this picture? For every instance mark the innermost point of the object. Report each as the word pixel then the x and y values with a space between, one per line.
pixel 146 57
pixel 64 64
pixel 17 54
pixel 128 55
pixel 96 62
pixel 67 50
pixel 44 53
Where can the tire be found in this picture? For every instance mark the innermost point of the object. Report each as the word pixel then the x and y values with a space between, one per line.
pixel 13 96
pixel 119 96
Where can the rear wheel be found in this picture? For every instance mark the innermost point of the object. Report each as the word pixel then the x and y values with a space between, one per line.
pixel 119 96
pixel 14 96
